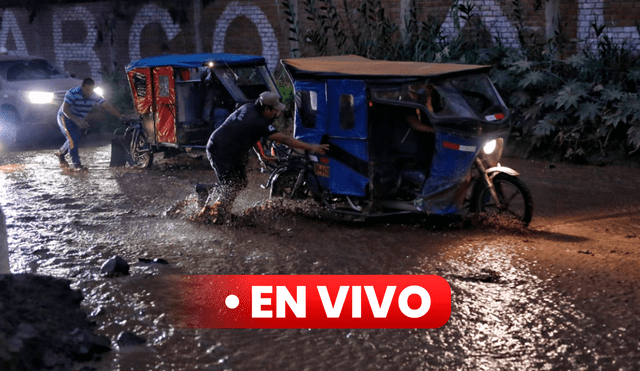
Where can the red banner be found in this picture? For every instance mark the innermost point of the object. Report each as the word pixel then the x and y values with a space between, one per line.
pixel 318 301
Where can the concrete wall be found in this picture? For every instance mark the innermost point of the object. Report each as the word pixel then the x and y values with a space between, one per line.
pixel 87 38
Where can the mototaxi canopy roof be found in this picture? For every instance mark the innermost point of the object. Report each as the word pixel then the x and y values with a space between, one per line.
pixel 195 60
pixel 352 65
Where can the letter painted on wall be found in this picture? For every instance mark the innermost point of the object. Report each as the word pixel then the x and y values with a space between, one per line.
pixel 79 18
pixel 267 36
pixel 10 25
pixel 150 13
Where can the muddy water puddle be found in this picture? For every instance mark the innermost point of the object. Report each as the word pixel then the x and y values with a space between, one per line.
pixel 67 224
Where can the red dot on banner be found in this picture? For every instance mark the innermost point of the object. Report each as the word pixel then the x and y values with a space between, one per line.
pixel 232 302
pixel 414 301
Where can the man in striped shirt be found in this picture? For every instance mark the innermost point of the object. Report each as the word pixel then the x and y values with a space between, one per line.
pixel 77 103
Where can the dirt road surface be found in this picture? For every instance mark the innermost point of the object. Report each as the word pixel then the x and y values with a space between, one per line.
pixel 561 294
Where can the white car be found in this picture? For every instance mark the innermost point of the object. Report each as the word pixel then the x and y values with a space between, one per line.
pixel 31 92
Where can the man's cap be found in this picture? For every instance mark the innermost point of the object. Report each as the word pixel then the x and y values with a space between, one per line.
pixel 269 98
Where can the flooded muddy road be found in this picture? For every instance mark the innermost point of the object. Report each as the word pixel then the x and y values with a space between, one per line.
pixel 561 294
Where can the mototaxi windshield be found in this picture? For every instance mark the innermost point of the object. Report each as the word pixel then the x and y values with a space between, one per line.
pixel 471 97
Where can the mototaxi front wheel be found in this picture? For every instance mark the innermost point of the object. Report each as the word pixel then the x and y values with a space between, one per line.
pixel 139 149
pixel 514 196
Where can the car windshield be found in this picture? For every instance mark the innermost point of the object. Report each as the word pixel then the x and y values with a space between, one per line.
pixel 29 69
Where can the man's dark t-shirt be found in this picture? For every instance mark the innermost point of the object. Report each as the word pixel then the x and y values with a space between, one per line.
pixel 230 143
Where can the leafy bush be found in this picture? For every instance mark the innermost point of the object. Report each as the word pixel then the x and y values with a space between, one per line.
pixel 582 106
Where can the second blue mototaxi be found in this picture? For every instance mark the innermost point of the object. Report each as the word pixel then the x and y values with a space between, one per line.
pixel 379 163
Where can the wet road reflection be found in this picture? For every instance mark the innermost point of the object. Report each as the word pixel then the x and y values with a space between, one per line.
pixel 504 316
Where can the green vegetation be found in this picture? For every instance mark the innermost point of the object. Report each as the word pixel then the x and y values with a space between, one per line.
pixel 582 107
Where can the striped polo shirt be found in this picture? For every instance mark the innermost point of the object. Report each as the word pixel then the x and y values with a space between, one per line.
pixel 78 105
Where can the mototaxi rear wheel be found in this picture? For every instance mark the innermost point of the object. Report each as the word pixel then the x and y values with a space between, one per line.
pixel 284 186
pixel 139 149
pixel 515 199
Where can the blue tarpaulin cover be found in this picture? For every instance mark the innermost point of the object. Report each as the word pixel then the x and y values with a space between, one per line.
pixel 195 60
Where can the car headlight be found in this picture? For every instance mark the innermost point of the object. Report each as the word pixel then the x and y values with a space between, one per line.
pixel 98 90
pixel 40 97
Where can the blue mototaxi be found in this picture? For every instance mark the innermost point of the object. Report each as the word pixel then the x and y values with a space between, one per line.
pixel 377 164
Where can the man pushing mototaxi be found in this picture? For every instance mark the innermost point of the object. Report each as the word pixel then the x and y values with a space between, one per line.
pixel 229 145
pixel 76 105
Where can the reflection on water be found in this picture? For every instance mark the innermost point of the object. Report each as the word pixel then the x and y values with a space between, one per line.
pixel 67 225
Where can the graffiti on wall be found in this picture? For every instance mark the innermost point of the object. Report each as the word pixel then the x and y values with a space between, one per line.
pixel 490 11
pixel 592 12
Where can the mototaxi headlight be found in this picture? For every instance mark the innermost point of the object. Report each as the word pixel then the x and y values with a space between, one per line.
pixel 493 151
pixel 98 90
pixel 489 147
pixel 40 97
